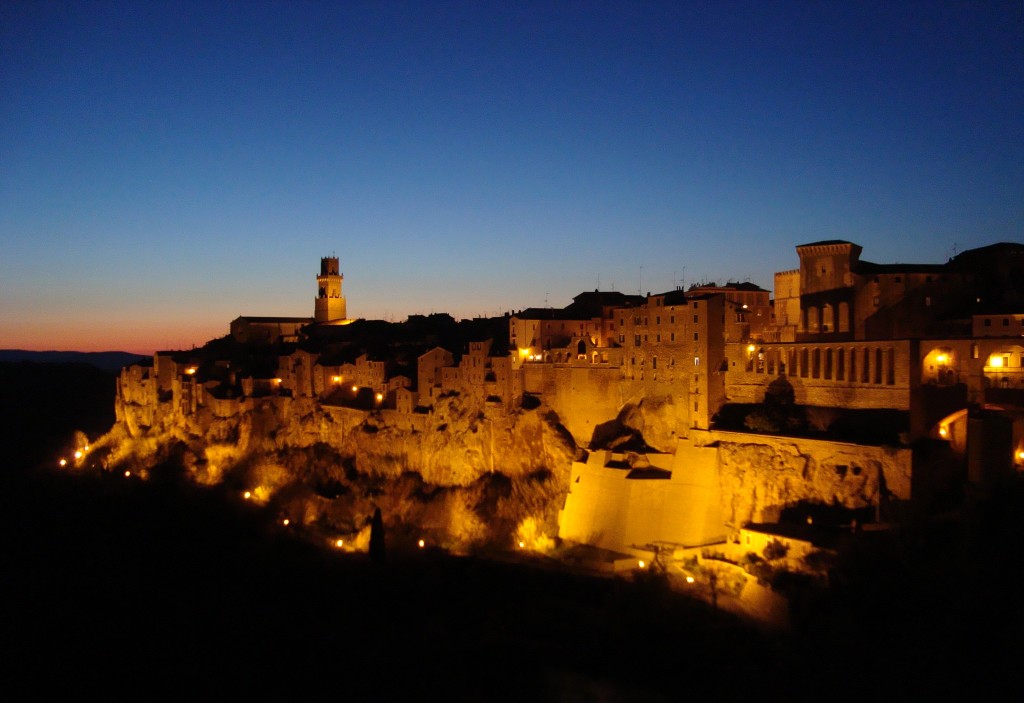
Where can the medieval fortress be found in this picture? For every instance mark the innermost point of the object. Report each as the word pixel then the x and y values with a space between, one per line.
pixel 688 417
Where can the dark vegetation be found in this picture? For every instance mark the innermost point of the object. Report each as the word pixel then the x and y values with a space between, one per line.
pixel 160 589
pixel 871 427
pixel 42 404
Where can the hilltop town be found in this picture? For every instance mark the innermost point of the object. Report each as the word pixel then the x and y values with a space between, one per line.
pixel 722 418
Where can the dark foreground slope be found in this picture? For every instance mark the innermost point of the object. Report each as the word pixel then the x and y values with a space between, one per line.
pixel 150 589
pixel 159 589
pixel 42 404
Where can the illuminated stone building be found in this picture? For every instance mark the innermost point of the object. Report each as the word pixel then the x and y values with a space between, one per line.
pixel 330 303
pixel 674 343
pixel 534 331
pixel 658 391
pixel 751 306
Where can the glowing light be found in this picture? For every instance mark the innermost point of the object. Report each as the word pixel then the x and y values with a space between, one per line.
pixel 744 306
pixel 336 379
pixel 86 448
pixel 355 388
pixel 995 361
pixel 942 358
pixel 1020 455
pixel 380 397
pixel 689 579
pixel 63 462
pixel 522 544
pixel 641 564
pixel 751 348
pixel 190 370
pixel 943 431
pixel 127 474
pixel 422 544
pixel 247 495
pixel 339 543
pixel 277 380
pixel 78 453
pixel 286 522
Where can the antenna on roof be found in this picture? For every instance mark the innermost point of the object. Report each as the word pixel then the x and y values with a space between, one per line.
pixel 640 288
pixel 599 281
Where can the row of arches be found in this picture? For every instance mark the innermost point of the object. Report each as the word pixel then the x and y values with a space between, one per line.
pixel 873 365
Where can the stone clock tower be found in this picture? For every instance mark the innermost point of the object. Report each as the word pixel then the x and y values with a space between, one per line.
pixel 330 303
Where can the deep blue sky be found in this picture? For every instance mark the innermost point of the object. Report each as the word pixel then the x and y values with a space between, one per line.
pixel 166 167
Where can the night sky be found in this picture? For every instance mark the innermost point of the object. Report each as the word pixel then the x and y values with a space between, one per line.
pixel 166 167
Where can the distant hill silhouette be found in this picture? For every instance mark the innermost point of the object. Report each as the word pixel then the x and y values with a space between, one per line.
pixel 106 361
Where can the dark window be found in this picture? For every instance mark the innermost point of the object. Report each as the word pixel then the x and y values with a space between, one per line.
pixel 988 323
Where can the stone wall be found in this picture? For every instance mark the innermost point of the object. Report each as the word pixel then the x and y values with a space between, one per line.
pixel 612 503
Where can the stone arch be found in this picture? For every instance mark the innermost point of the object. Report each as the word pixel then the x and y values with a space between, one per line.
pixel 939 366
pixel 813 319
pixel 844 317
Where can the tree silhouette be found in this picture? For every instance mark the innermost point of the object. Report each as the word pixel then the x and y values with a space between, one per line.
pixel 377 537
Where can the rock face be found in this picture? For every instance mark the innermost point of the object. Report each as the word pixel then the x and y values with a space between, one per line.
pixel 468 473
pixel 760 475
